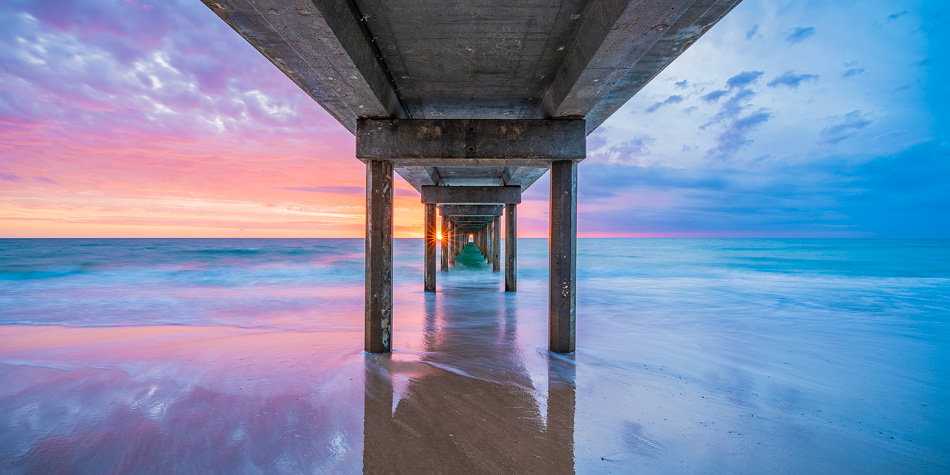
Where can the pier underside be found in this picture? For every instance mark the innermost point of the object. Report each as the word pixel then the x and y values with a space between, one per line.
pixel 471 103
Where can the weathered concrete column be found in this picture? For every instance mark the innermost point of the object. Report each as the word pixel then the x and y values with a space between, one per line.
pixel 488 241
pixel 563 257
pixel 456 243
pixel 444 244
pixel 430 248
pixel 511 248
pixel 496 244
pixel 379 256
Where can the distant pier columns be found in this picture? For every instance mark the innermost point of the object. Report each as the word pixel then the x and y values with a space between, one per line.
pixel 496 244
pixel 379 256
pixel 511 247
pixel 474 171
pixel 444 243
pixel 488 241
pixel 430 241
pixel 563 256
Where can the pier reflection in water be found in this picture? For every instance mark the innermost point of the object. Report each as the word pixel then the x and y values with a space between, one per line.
pixel 473 400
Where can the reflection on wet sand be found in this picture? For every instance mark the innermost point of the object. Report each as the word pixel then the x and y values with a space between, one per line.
pixel 467 404
pixel 463 393
pixel 171 399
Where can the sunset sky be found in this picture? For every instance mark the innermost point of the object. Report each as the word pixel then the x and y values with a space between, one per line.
pixel 124 118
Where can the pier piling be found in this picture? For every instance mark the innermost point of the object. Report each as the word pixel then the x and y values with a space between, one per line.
pixel 511 248
pixel 379 256
pixel 430 241
pixel 563 256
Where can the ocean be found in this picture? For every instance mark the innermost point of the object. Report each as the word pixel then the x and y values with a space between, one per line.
pixel 693 356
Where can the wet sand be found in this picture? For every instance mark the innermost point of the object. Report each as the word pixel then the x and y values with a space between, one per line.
pixel 470 387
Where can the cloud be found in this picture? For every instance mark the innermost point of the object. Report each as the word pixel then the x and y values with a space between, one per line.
pixel 752 32
pixel 337 190
pixel 345 190
pixel 627 151
pixel 9 177
pixel 845 127
pixel 735 124
pixel 681 84
pixel 852 72
pixel 675 99
pixel 888 196
pixel 799 34
pixel 732 107
pixel 714 96
pixel 743 79
pixel 736 134
pixel 792 80
pixel 43 179
pixel 896 15
pixel 713 200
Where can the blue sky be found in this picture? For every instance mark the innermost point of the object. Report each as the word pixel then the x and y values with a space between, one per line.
pixel 787 119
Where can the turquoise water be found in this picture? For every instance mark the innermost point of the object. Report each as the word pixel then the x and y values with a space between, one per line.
pixel 694 356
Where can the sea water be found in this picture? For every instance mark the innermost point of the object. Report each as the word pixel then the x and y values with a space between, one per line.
pixel 693 356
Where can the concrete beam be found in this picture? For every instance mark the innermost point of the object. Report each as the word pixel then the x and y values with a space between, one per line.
pixel 612 38
pixel 406 142
pixel 322 47
pixel 379 256
pixel 472 210
pixel 470 219
pixel 693 24
pixel 471 194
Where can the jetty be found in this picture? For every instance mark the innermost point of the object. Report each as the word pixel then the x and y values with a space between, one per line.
pixel 471 102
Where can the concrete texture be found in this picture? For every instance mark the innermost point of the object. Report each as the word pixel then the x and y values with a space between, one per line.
pixel 396 140
pixel 511 248
pixel 430 240
pixel 563 257
pixel 471 210
pixel 444 243
pixel 379 256
pixel 471 194
pixel 493 59
pixel 473 152
pixel 496 244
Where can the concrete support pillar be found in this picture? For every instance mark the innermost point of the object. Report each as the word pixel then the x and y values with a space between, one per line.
pixel 379 256
pixel 563 257
pixel 456 243
pixel 488 242
pixel 444 244
pixel 496 244
pixel 511 247
pixel 430 241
